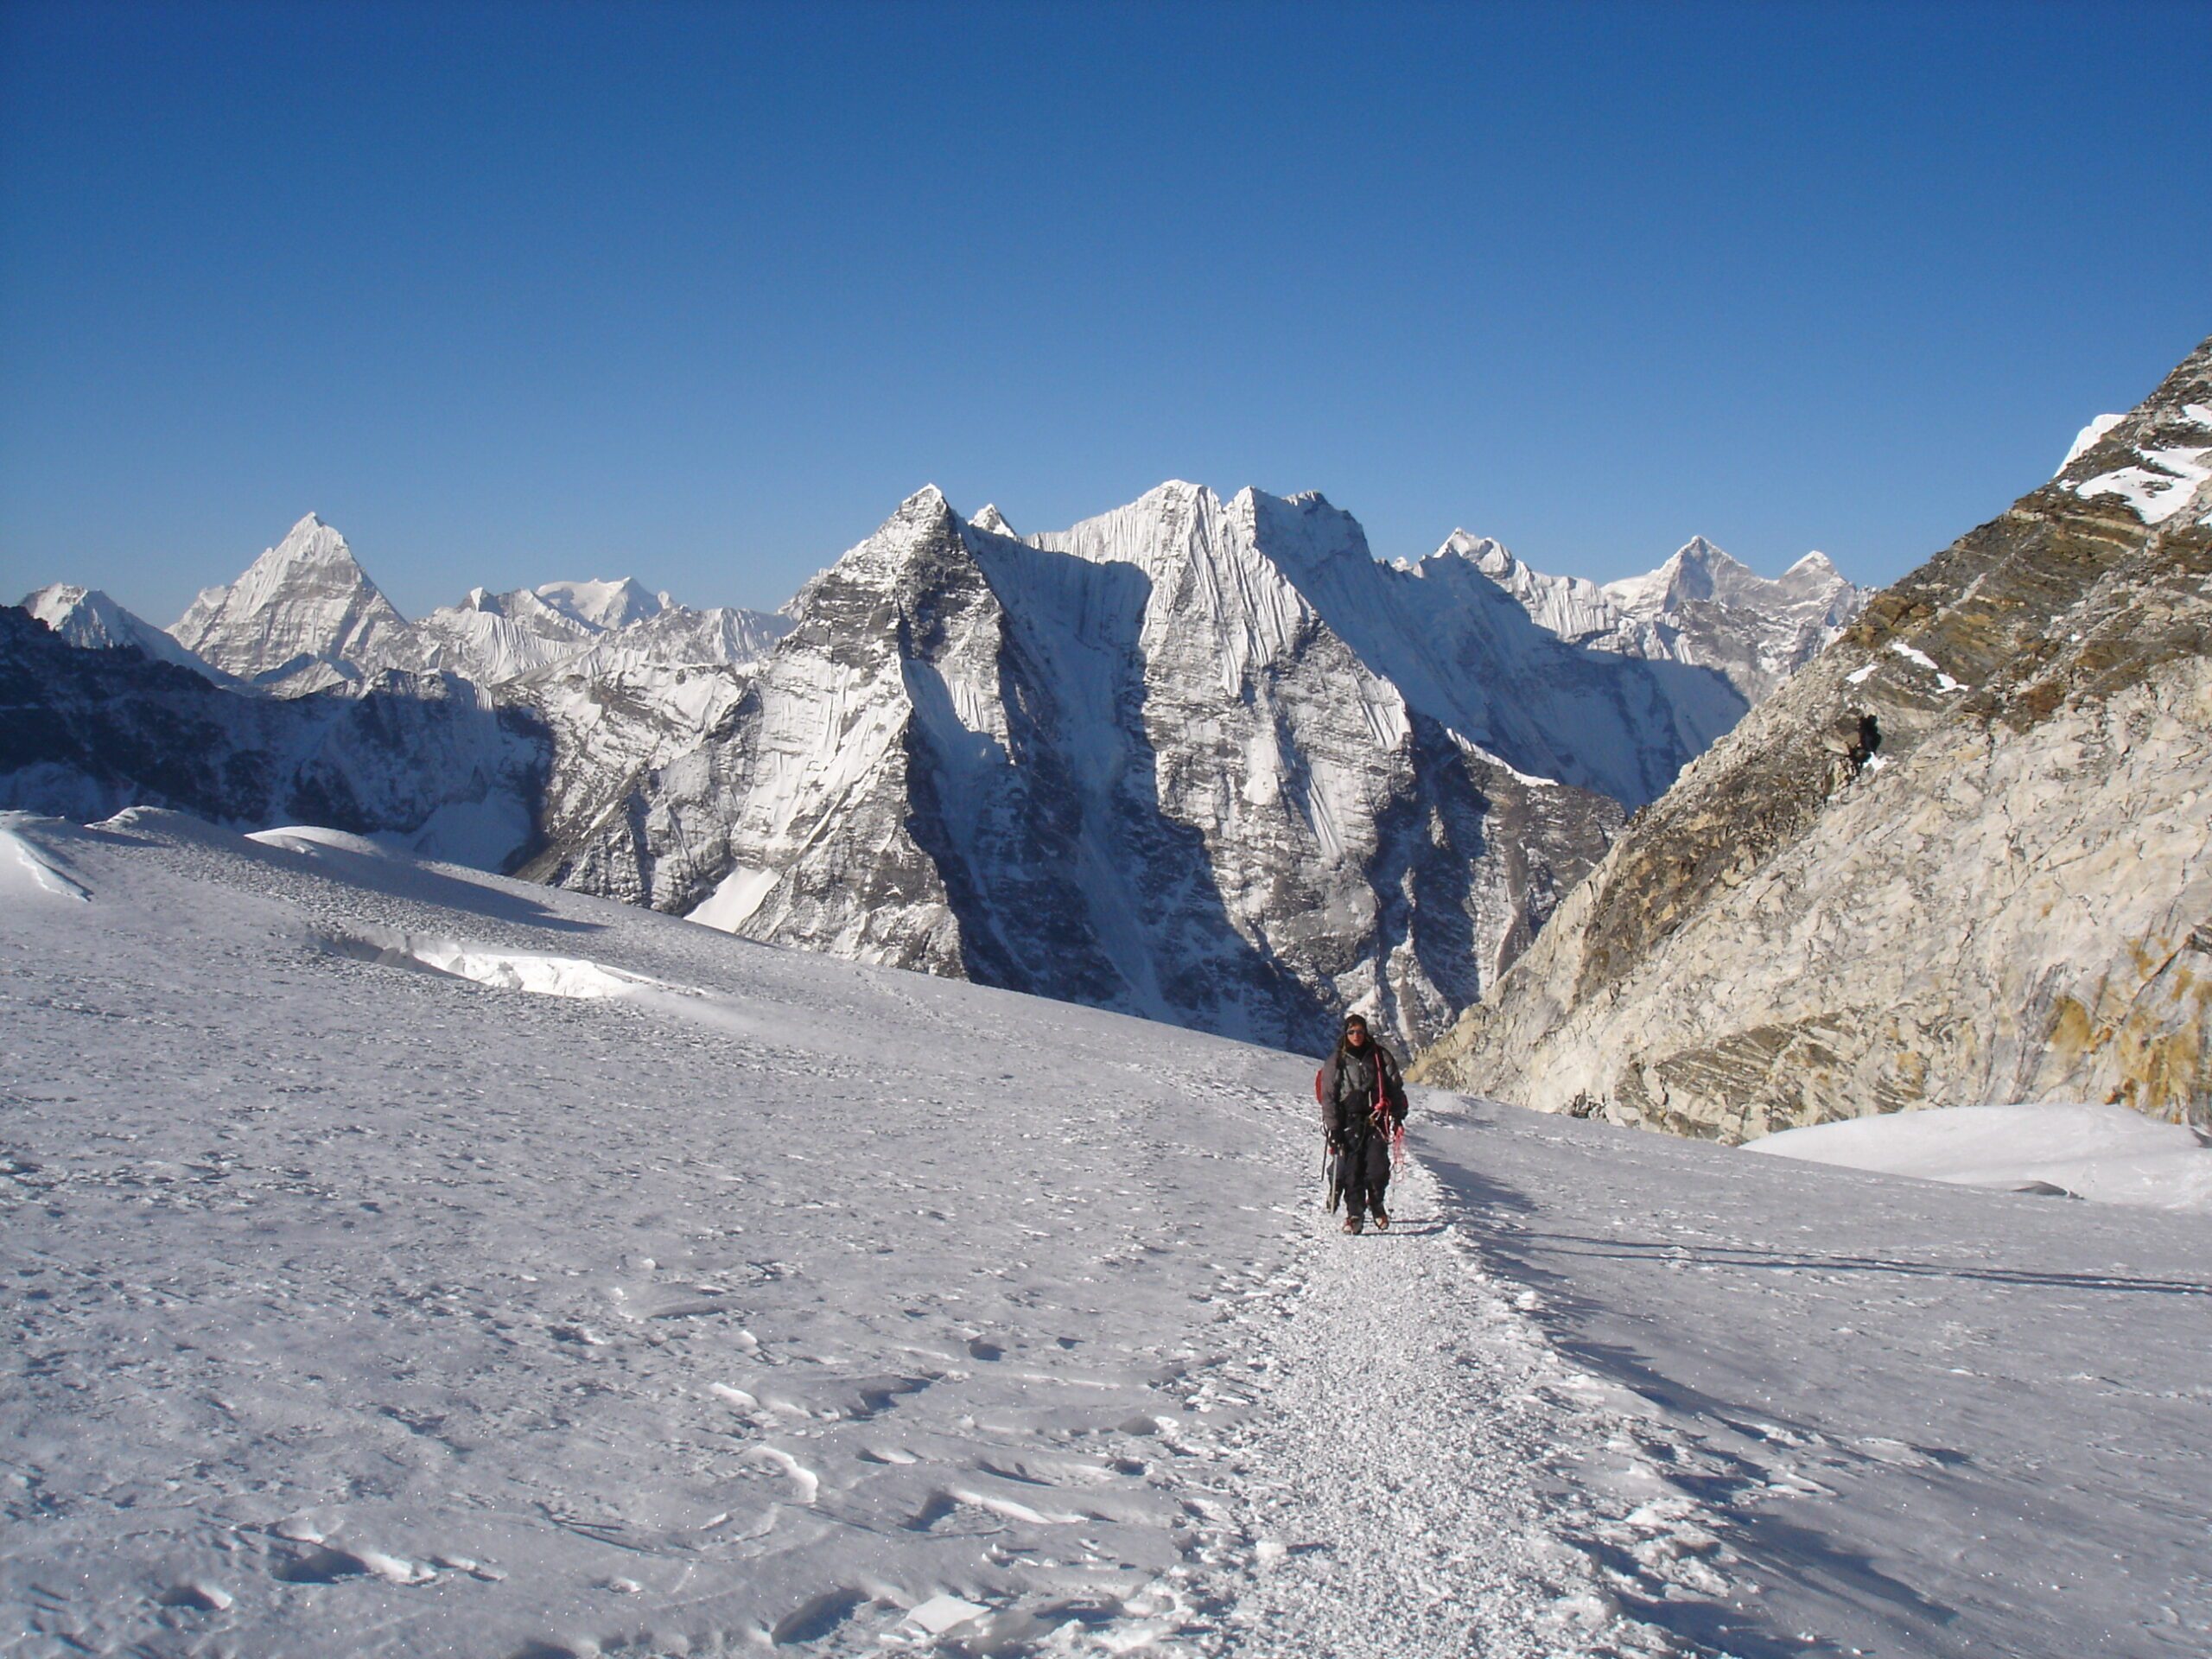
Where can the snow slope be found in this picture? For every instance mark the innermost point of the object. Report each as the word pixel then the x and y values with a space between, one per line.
pixel 1917 1420
pixel 404 1260
pixel 87 617
pixel 2103 1152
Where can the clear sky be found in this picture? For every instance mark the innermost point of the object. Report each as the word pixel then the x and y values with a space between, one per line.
pixel 698 293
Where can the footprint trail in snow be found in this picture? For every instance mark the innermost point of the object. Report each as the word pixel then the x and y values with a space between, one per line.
pixel 403 1260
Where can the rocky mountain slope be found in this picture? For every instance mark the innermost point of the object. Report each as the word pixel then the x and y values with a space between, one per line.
pixel 1206 761
pixel 1960 857
pixel 425 759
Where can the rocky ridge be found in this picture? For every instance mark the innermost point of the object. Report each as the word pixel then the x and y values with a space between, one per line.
pixel 426 760
pixel 1961 857
pixel 1206 761
pixel 1209 761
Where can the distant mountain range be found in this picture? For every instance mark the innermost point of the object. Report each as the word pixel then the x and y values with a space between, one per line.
pixel 1206 761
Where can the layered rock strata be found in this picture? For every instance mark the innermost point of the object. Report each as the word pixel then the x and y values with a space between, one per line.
pixel 1961 857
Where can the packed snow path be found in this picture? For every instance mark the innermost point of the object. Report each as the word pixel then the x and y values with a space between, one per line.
pixel 400 1260
pixel 404 1261
pixel 1385 1493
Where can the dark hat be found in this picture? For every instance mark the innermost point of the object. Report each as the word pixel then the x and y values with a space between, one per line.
pixel 1351 1020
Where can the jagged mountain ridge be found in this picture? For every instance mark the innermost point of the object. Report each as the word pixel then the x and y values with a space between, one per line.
pixel 306 616
pixel 1207 761
pixel 88 618
pixel 608 677
pixel 1246 775
pixel 1960 858
pixel 1701 607
pixel 427 760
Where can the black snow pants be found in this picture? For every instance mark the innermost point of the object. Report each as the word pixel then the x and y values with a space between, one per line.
pixel 1363 1169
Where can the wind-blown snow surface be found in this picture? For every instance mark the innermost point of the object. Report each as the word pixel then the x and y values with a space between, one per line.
pixel 404 1260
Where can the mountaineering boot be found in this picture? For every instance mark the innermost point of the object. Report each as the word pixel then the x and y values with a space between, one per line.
pixel 1381 1222
pixel 1351 1223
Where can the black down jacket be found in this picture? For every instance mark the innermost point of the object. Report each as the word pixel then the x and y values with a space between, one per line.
pixel 1348 1091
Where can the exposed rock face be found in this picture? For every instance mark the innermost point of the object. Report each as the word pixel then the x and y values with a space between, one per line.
pixel 1701 607
pixel 304 616
pixel 621 679
pixel 423 758
pixel 1205 761
pixel 1961 857
pixel 1136 765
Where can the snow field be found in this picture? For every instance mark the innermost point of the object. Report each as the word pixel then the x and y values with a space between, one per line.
pixel 714 1298
pixel 2058 1150
pixel 1391 1483
pixel 1920 1419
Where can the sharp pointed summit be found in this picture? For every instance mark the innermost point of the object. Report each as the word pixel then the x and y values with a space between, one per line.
pixel 303 616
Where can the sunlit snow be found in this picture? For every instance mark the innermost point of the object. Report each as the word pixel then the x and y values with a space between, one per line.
pixel 404 1260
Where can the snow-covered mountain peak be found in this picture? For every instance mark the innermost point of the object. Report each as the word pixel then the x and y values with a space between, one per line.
pixel 601 606
pixel 303 612
pixel 311 541
pixel 992 522
pixel 1697 570
pixel 919 534
pixel 2089 438
pixel 60 598
pixel 88 618
pixel 1300 534
pixel 1485 553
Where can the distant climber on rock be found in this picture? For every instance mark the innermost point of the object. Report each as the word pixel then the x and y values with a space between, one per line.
pixel 1362 1103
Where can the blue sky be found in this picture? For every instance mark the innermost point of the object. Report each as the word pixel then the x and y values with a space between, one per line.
pixel 699 293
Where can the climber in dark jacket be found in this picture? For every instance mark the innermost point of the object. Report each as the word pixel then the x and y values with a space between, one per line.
pixel 1363 1099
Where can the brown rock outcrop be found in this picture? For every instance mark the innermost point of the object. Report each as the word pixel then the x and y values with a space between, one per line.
pixel 1962 856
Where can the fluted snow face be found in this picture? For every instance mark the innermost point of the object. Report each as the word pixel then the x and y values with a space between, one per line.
pixel 303 615
pixel 1701 608
pixel 494 638
pixel 1130 765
